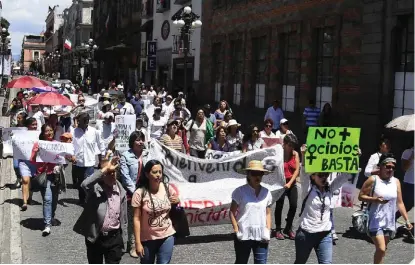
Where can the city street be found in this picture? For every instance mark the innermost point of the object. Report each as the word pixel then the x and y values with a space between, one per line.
pixel 209 244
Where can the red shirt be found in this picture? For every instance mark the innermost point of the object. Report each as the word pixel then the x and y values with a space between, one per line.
pixel 41 166
pixel 289 167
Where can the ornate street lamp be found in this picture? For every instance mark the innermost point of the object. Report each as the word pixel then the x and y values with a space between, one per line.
pixel 89 50
pixel 186 21
pixel 5 40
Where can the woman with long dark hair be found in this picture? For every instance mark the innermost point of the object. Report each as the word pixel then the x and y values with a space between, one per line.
pixel 326 118
pixel 153 228
pixel 291 172
pixel 219 143
pixel 50 192
pixel 251 140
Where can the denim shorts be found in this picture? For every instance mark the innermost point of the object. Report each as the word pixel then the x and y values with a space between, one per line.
pixel 27 168
pixel 381 232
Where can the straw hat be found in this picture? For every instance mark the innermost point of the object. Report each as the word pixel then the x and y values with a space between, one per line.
pixel 233 122
pixel 254 165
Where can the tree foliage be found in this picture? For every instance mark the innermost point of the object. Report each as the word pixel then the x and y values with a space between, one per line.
pixel 4 23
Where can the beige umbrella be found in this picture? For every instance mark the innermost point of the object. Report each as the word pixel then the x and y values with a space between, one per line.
pixel 403 123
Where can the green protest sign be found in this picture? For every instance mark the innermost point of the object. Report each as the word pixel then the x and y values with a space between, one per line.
pixel 332 149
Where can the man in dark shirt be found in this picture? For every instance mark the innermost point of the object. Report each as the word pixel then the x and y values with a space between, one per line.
pixel 137 104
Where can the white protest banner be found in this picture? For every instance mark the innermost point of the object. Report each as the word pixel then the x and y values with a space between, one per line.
pixel 23 142
pixel 124 127
pixel 205 186
pixel 271 141
pixel 212 154
pixel 7 139
pixel 54 152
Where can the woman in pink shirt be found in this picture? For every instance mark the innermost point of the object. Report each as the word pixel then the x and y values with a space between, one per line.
pixel 153 228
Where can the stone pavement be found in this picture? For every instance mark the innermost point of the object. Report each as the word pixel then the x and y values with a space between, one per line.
pixel 208 244
pixel 10 231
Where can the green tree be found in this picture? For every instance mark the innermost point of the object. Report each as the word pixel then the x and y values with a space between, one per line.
pixel 4 23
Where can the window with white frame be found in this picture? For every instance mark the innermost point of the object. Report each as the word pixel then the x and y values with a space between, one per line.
pixel 290 70
pixel 237 94
pixel 403 102
pixel 217 70
pixel 259 95
pixel 237 69
pixel 260 49
pixel 325 60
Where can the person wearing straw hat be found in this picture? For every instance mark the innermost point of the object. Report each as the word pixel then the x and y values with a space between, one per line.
pixel 234 135
pixel 252 223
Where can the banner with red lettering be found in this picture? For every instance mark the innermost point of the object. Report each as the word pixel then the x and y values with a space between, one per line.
pixel 205 186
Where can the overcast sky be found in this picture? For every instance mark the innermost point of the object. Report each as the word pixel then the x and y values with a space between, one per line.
pixel 27 17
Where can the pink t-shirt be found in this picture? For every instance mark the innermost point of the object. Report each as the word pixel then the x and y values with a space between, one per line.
pixel 155 222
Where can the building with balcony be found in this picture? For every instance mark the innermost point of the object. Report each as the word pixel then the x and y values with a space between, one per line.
pixel 78 29
pixel 54 20
pixel 157 25
pixel 33 47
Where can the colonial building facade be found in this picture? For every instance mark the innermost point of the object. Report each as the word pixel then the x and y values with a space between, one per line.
pixel 33 47
pixel 356 55
pixel 157 25
pixel 117 33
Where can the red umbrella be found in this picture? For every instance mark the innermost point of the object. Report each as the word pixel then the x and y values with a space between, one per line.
pixel 51 99
pixel 27 82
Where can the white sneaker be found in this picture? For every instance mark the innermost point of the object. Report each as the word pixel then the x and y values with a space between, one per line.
pixel 46 231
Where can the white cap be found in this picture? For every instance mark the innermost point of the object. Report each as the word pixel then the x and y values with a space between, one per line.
pixel 120 86
pixel 106 102
pixel 233 122
pixel 282 121
pixel 181 93
pixel 67 86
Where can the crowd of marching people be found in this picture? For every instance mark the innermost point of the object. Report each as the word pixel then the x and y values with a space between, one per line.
pixel 127 201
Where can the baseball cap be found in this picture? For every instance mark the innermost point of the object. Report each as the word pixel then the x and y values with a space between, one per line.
pixel 169 96
pixel 106 95
pixel 106 102
pixel 282 121
pixel 181 93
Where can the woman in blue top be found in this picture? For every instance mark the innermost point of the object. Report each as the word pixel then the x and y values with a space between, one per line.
pixel 131 165
pixel 219 143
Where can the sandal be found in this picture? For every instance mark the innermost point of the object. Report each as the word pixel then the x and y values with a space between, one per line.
pixel 24 207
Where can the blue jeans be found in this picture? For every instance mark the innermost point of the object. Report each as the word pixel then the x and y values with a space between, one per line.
pixel 243 251
pixel 66 123
pixel 322 243
pixel 50 195
pixel 160 248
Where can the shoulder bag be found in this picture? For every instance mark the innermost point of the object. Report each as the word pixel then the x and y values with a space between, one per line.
pixel 178 218
pixel 360 218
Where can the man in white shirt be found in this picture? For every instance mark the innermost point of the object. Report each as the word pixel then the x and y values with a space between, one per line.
pixel 275 114
pixel 408 180
pixel 167 107
pixel 372 165
pixel 38 115
pixel 151 92
pixel 125 107
pixel 87 144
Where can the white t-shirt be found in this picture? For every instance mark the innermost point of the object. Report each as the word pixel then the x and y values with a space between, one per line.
pixel 409 174
pixel 264 134
pixel 252 217
pixel 40 118
pixel 281 135
pixel 156 128
pixel 127 109
pixel 152 93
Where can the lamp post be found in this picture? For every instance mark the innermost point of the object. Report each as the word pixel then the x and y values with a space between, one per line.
pixel 89 49
pixel 186 21
pixel 5 40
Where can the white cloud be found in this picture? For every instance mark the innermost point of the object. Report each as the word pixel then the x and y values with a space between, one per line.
pixel 28 17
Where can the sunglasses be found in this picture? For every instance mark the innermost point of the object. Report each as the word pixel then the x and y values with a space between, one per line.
pixel 390 167
pixel 255 130
pixel 268 126
pixel 285 123
pixel 256 173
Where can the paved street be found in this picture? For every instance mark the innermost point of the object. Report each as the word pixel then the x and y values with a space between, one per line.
pixel 211 244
